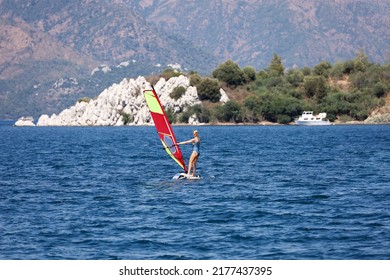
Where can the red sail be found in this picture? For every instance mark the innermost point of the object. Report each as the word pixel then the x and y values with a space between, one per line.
pixel 163 127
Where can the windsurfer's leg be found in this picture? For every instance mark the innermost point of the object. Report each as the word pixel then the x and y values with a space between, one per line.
pixel 194 164
pixel 193 173
pixel 190 163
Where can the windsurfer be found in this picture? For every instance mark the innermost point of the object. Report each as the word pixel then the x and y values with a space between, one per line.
pixel 195 152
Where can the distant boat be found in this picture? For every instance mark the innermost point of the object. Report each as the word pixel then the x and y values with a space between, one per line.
pixel 308 118
pixel 25 121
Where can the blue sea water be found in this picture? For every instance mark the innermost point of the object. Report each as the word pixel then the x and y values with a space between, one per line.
pixel 268 192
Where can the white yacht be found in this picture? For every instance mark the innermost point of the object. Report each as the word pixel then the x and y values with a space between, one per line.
pixel 25 121
pixel 308 118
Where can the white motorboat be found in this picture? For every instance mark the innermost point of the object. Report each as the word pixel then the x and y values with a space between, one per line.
pixel 308 118
pixel 25 121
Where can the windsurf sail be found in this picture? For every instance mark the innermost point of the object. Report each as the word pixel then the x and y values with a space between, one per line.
pixel 163 127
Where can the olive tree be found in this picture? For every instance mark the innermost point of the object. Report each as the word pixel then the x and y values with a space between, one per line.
pixel 230 73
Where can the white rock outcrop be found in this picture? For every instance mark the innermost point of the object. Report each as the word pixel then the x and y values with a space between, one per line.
pixel 125 99
pixel 224 98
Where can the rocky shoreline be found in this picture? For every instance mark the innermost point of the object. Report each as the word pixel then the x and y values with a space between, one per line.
pixel 380 115
pixel 124 104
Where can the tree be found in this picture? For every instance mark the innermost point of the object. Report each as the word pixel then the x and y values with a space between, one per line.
pixel 337 70
pixel 274 81
pixel 169 73
pixel 127 118
pixel 322 69
pixel 273 107
pixel 379 89
pixel 195 79
pixel 177 93
pixel 230 112
pixel 208 89
pixel 276 67
pixel 230 73
pixel 359 80
pixel 295 77
pixel 306 71
pixel 249 74
pixel 253 104
pixel 171 115
pixel 202 113
pixel 348 67
pixel 315 86
pixel 360 62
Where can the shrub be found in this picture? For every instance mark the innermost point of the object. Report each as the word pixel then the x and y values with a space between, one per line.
pixel 177 93
pixel 249 74
pixel 230 73
pixel 348 67
pixel 195 79
pixel 276 67
pixel 169 73
pixel 84 99
pixel 127 118
pixel 203 114
pixel 208 89
pixel 253 105
pixel 359 80
pixel 306 71
pixel 294 77
pixel 171 115
pixel 337 70
pixel 315 86
pixel 283 119
pixel 379 89
pixel 229 112
pixel 322 68
pixel 273 107
pixel 345 118
pixel 274 82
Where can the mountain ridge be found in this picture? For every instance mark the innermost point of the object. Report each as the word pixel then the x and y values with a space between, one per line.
pixel 302 32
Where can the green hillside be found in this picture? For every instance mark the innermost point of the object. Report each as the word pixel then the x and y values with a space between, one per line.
pixel 346 91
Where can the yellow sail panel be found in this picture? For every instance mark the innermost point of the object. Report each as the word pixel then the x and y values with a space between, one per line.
pixel 153 104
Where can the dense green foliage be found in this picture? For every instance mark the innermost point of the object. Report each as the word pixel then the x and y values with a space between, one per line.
pixel 127 118
pixel 171 115
pixel 230 73
pixel 169 73
pixel 230 112
pixel 208 89
pixel 202 113
pixel 276 68
pixel 177 93
pixel 346 91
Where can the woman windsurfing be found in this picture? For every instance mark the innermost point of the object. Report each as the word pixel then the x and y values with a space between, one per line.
pixel 195 153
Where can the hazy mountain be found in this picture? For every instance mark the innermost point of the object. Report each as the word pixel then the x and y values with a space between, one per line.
pixel 44 42
pixel 302 32
pixel 49 49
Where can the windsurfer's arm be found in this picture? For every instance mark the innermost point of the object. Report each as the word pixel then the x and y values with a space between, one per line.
pixel 186 142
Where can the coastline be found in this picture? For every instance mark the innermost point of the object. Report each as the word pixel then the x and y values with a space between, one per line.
pixel 9 122
pixel 265 123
